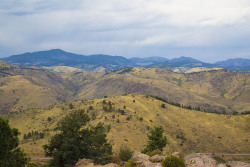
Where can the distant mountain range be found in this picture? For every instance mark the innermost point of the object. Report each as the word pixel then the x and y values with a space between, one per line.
pixel 100 62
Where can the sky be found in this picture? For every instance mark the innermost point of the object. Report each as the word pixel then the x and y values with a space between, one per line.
pixel 207 30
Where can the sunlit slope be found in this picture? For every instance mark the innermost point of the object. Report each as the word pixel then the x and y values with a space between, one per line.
pixel 187 130
pixel 22 88
pixel 219 90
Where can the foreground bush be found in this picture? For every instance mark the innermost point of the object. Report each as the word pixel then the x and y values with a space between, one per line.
pixel 125 153
pixel 130 163
pixel 173 161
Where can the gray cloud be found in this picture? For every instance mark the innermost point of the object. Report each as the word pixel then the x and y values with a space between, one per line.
pixel 209 30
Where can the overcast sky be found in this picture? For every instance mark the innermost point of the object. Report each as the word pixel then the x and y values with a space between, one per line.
pixel 208 30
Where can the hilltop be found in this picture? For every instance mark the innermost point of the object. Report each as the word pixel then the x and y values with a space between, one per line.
pixel 129 119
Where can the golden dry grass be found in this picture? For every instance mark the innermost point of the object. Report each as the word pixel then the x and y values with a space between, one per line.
pixel 197 131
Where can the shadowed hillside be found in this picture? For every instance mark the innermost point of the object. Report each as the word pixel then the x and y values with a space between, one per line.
pixel 219 90
pixel 129 118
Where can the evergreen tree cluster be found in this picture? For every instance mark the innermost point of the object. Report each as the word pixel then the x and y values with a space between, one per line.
pixel 34 135
pixel 76 141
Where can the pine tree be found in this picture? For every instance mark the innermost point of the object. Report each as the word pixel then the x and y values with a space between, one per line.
pixel 10 153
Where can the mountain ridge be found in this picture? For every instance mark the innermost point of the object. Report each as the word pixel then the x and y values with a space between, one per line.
pixel 101 62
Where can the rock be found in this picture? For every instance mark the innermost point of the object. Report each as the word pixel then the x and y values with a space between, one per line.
pixel 201 161
pixel 109 165
pixel 139 156
pixel 156 158
pixel 84 162
pixel 237 164
pixel 139 164
pixel 89 163
pixel 142 160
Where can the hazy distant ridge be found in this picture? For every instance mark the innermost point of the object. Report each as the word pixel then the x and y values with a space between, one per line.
pixel 100 62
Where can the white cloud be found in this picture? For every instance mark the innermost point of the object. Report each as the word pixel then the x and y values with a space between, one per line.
pixel 110 26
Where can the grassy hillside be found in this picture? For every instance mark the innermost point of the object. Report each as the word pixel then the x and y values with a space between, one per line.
pixel 31 87
pixel 187 130
pixel 22 88
pixel 219 90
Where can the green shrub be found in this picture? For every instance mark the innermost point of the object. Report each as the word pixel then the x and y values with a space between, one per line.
pixel 115 159
pixel 173 161
pixel 163 106
pixel 71 106
pixel 130 163
pixel 49 119
pixel 125 153
pixel 152 153
pixel 219 159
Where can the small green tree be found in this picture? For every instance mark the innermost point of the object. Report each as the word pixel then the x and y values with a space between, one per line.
pixel 75 142
pixel 10 153
pixel 156 139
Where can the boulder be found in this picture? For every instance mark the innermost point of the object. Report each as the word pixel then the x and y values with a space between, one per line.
pixel 140 156
pixel 142 160
pixel 237 164
pixel 139 164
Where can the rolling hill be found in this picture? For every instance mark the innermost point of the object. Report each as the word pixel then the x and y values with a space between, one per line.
pixel 219 90
pixel 29 87
pixel 129 119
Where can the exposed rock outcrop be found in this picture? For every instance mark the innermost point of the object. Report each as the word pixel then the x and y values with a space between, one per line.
pixel 208 161
pixel 89 163
pixel 237 164
pixel 202 161
pixel 143 160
